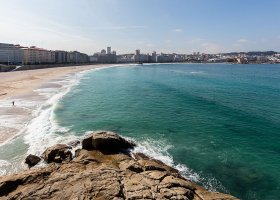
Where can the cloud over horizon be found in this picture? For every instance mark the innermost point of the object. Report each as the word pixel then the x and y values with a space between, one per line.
pixel 89 26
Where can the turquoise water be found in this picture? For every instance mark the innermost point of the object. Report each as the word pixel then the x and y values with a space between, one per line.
pixel 219 124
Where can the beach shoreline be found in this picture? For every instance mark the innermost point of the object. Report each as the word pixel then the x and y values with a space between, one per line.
pixel 23 82
pixel 19 86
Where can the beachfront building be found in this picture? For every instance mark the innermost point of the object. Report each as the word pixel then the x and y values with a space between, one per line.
pixel 103 51
pixel 107 58
pixel 178 57
pixel 104 57
pixel 141 58
pixel 125 58
pixel 72 57
pixel 61 57
pixel 93 58
pixel 35 55
pixel 11 54
pixel 83 58
pixel 77 57
pixel 108 50
pixel 163 58
pixel 154 57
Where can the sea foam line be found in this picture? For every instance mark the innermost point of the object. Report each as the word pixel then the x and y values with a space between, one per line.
pixel 38 131
pixel 158 149
pixel 42 130
pixel 47 127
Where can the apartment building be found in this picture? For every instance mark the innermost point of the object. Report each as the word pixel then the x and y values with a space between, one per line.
pixel 77 57
pixel 10 54
pixel 61 57
pixel 35 55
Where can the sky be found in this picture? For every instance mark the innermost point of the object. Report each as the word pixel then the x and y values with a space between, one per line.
pixel 170 26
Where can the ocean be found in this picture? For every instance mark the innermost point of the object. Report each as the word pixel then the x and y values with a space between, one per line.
pixel 218 124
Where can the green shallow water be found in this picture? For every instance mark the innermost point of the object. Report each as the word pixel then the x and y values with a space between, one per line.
pixel 219 124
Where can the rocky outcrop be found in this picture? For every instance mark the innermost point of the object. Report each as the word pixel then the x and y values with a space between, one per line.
pixel 93 174
pixel 73 143
pixel 32 160
pixel 57 153
pixel 106 142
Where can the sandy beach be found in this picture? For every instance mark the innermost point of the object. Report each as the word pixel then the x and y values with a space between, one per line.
pixel 21 85
pixel 24 82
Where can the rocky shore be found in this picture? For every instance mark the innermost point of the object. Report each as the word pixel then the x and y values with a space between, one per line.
pixel 104 168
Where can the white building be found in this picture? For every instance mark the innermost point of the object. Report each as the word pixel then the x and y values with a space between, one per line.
pixel 61 56
pixel 103 51
pixel 125 58
pixel 35 55
pixel 154 57
pixel 93 58
pixel 142 58
pixel 11 54
pixel 108 50
pixel 77 57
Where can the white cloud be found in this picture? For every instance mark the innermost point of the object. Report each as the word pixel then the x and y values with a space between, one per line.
pixel 149 45
pixel 195 40
pixel 50 34
pixel 116 27
pixel 43 33
pixel 236 45
pixel 140 42
pixel 177 30
pixel 241 44
pixel 211 47
pixel 242 40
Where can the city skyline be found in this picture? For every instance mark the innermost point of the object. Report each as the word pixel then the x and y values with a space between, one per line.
pixel 164 26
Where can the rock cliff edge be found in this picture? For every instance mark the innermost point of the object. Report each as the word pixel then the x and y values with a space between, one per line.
pixel 103 169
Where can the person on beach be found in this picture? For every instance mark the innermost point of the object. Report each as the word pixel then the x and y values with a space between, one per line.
pixel 13 103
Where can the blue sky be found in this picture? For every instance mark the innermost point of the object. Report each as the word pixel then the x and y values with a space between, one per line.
pixel 182 26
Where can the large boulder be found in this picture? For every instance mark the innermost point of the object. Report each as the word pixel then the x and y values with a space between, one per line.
pixel 32 160
pixel 57 153
pixel 106 142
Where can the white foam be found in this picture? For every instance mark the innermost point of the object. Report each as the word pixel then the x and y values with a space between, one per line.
pixel 158 149
pixel 43 130
pixel 197 72
pixel 3 165
pixel 188 73
pixel 15 118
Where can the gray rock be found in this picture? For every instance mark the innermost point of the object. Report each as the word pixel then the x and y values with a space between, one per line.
pixel 74 143
pixel 97 175
pixel 32 160
pixel 107 142
pixel 57 153
pixel 131 165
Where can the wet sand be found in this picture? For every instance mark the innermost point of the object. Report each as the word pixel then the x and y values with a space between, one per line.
pixel 24 82
pixel 20 85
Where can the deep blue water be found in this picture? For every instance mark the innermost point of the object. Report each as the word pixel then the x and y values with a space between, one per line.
pixel 219 124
